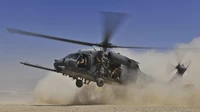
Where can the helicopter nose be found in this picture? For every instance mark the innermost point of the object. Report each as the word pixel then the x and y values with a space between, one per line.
pixel 58 66
pixel 55 64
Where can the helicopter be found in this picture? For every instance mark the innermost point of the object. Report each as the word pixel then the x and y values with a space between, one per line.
pixel 99 66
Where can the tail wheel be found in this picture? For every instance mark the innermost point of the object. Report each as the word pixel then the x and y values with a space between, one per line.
pixel 100 82
pixel 79 83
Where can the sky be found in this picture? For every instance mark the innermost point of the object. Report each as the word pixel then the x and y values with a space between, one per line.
pixel 162 23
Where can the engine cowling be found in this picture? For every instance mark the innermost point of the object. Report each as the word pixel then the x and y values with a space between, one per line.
pixel 118 58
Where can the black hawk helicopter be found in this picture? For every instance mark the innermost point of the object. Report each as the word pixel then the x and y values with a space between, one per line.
pixel 100 66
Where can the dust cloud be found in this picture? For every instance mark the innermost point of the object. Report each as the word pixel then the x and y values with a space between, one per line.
pixel 57 89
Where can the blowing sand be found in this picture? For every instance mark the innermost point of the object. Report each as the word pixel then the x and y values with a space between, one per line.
pixel 51 95
pixel 58 93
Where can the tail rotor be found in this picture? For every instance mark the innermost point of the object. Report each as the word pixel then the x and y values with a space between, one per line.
pixel 180 67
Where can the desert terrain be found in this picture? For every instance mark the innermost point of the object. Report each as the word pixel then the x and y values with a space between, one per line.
pixel 54 92
pixel 91 108
pixel 50 96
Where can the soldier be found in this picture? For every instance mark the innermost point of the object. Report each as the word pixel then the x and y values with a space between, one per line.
pixel 101 65
pixel 116 73
pixel 81 62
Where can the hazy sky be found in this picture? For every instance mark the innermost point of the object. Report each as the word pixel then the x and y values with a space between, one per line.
pixel 150 23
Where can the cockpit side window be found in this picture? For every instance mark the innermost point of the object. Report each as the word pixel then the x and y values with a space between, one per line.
pixel 72 56
pixel 75 56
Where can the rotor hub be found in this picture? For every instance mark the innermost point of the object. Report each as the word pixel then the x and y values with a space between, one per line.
pixel 106 45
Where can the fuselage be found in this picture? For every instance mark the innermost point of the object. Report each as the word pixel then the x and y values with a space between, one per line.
pixel 68 65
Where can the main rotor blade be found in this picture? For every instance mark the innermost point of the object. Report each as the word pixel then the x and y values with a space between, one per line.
pixel 137 47
pixel 111 22
pixel 50 37
pixel 158 48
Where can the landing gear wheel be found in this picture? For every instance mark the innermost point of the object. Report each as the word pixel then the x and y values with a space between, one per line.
pixel 100 82
pixel 79 83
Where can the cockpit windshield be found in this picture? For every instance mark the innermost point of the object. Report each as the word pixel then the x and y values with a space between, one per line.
pixel 72 56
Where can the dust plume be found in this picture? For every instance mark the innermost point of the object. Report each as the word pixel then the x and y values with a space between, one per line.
pixel 58 89
pixel 55 88
pixel 13 97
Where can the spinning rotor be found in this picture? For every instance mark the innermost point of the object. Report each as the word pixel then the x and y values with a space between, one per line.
pixel 111 21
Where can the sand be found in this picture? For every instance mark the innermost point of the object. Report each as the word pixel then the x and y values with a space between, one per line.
pixel 92 99
pixel 90 108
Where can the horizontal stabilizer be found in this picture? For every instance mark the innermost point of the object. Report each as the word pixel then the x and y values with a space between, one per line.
pixel 37 66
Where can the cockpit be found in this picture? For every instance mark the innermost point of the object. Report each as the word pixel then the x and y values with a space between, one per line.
pixel 80 58
pixel 75 60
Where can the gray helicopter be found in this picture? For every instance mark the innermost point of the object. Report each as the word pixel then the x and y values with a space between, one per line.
pixel 100 66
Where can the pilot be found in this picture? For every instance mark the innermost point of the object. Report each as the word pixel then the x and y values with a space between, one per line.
pixel 81 62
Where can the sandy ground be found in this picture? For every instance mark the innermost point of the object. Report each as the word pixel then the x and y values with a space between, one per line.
pixel 89 108
pixel 51 95
pixel 25 103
